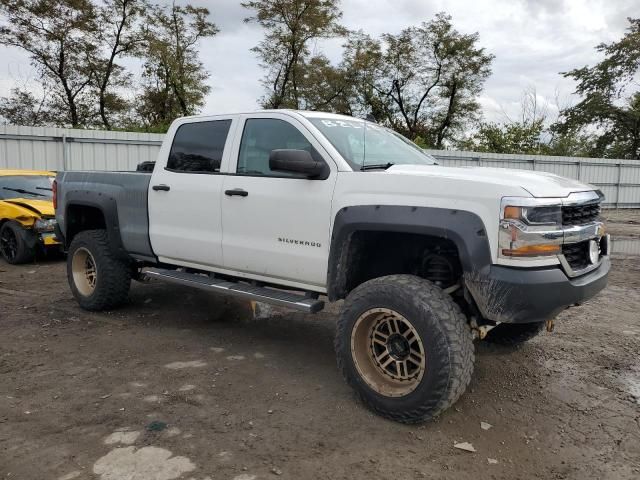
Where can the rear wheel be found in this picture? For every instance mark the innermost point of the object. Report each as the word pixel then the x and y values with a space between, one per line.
pixel 405 347
pixel 511 334
pixel 98 280
pixel 13 245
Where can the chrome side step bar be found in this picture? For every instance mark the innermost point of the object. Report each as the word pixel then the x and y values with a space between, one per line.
pixel 236 289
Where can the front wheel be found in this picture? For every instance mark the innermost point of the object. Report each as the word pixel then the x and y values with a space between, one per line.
pixel 15 247
pixel 405 347
pixel 98 280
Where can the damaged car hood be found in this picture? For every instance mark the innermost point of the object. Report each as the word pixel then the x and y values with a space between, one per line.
pixel 35 207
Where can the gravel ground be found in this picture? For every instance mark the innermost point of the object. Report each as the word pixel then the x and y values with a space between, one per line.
pixel 183 384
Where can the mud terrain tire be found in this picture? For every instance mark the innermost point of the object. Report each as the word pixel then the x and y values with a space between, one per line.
pixel 98 280
pixel 444 347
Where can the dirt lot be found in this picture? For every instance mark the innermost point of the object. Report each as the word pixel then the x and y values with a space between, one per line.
pixel 182 384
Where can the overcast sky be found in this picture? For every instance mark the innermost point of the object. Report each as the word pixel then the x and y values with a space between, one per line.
pixel 532 40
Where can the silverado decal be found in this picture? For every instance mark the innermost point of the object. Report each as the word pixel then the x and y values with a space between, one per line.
pixel 299 242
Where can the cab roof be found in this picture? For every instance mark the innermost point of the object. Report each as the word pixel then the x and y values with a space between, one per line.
pixel 8 173
pixel 303 113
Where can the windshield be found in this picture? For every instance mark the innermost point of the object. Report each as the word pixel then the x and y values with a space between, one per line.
pixel 26 186
pixel 370 146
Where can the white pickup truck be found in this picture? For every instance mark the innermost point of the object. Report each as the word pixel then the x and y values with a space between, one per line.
pixel 288 207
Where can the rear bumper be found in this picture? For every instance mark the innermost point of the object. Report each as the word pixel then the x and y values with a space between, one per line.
pixel 516 295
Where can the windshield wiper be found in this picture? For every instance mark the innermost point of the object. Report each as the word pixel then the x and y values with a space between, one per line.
pixel 45 188
pixel 21 190
pixel 377 166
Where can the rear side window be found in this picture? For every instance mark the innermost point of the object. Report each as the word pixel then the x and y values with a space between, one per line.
pixel 198 147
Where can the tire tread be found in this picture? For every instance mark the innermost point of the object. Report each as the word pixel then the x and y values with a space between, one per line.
pixel 449 384
pixel 114 280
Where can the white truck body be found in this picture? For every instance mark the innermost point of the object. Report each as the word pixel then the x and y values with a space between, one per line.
pixel 284 206
pixel 196 225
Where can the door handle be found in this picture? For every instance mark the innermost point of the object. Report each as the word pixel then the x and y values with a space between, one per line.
pixel 162 187
pixel 236 192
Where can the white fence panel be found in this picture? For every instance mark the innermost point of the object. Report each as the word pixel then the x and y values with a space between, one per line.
pixel 619 180
pixel 44 148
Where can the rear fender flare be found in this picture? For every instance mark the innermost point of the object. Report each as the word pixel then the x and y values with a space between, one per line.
pixel 108 206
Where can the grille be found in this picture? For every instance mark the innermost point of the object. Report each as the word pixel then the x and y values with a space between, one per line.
pixel 580 214
pixel 577 255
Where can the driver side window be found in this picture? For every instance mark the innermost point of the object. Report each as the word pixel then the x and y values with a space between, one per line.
pixel 260 137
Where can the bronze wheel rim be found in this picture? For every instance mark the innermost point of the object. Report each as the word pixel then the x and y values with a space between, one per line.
pixel 388 352
pixel 85 272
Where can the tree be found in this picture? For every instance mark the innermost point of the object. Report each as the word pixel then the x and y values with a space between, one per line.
pixel 523 135
pixel 290 27
pixel 174 77
pixel 322 86
pixel 53 33
pixel 118 34
pixel 423 81
pixel 609 108
pixel 22 107
pixel 363 66
pixel 506 138
pixel 527 134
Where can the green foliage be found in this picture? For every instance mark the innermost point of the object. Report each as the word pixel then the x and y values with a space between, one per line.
pixel 22 107
pixel 174 78
pixel 53 33
pixel 291 25
pixel 514 137
pixel 117 35
pixel 76 47
pixel 609 110
pixel 433 74
pixel 422 82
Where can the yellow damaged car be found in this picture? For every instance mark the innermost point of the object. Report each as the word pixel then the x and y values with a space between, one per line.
pixel 27 216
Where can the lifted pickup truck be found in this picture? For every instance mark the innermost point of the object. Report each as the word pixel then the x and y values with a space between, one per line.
pixel 286 206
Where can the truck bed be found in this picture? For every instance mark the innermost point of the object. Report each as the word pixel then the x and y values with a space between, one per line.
pixel 121 196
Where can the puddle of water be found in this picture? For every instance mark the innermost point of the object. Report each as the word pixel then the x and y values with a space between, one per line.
pixel 626 246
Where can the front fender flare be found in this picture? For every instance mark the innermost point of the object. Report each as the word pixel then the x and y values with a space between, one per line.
pixel 465 229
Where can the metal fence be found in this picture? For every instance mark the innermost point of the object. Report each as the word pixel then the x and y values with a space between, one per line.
pixel 43 148
pixel 619 180
pixel 68 149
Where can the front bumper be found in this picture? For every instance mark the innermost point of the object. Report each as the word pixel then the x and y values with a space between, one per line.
pixel 49 239
pixel 517 295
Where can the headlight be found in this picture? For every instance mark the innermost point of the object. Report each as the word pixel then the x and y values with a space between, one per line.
pixel 551 215
pixel 530 228
pixel 43 225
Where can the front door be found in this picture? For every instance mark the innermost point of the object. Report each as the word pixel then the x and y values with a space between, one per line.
pixel 275 224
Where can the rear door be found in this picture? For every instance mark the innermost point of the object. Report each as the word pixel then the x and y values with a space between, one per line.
pixel 185 224
pixel 276 225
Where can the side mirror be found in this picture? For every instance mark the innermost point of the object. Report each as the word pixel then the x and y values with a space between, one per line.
pixel 295 161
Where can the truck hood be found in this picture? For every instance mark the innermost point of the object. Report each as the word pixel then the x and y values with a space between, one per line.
pixel 34 207
pixel 538 184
